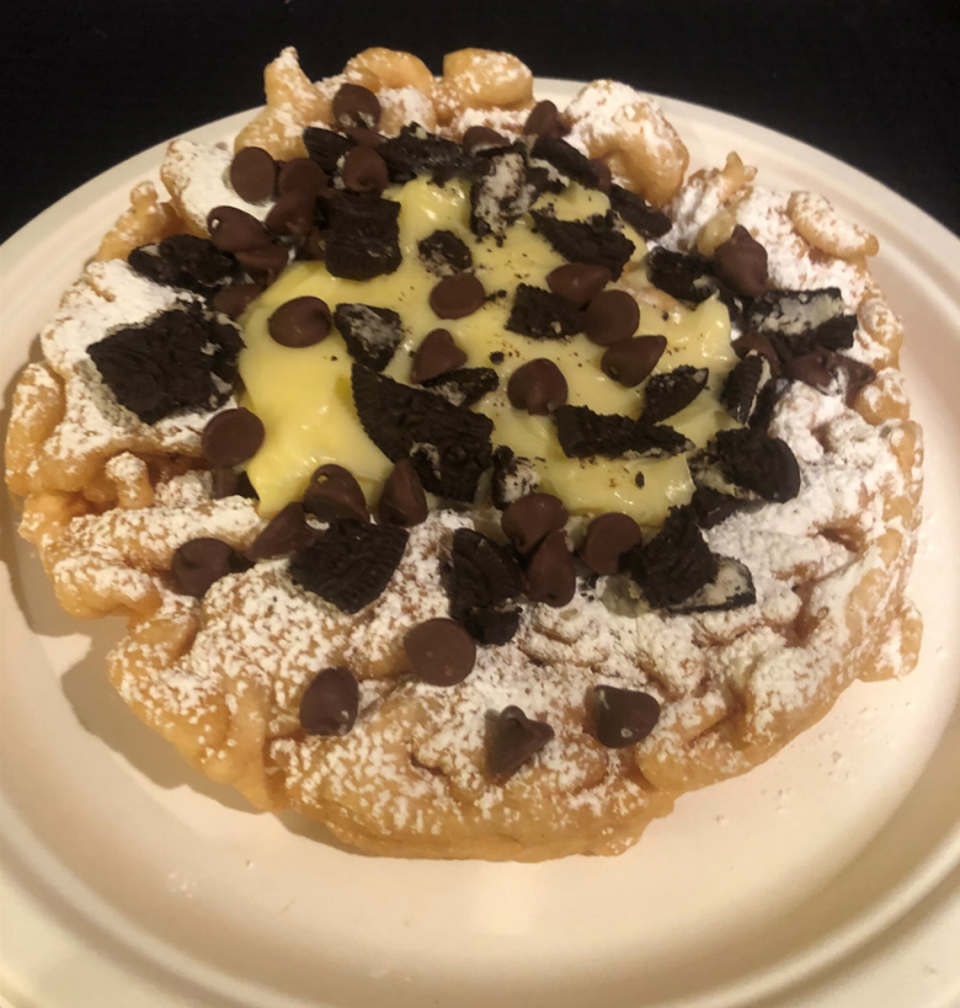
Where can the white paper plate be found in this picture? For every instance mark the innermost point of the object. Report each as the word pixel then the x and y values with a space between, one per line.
pixel 130 880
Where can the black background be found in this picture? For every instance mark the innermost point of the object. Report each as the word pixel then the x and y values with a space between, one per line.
pixel 85 85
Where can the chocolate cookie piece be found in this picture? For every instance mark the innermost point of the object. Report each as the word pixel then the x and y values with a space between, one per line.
pixel 805 320
pixel 676 562
pixel 668 393
pixel 623 716
pixel 566 159
pixel 182 359
pixel 513 477
pixel 713 506
pixel 362 239
pixel 595 241
pixel 371 334
pixel 503 193
pixel 465 386
pixel 415 152
pixel 185 261
pixel 325 147
pixel 448 445
pixel 541 315
pixel 742 390
pixel 514 739
pixel 330 703
pixel 686 277
pixel 351 564
pixel 443 254
pixel 730 588
pixel 585 434
pixel 483 580
pixel 757 462
pixel 646 220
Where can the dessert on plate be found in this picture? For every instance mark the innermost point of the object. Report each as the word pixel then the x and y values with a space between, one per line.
pixel 476 478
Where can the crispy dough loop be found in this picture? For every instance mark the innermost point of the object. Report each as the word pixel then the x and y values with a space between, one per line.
pixel 815 219
pixel 146 221
pixel 482 79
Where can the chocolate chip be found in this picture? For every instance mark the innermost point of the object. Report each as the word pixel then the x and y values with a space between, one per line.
pixel 186 261
pixel 611 316
pixel 440 652
pixel 578 283
pixel 857 374
pixel 457 296
pixel 513 739
pixel 266 263
pixel 484 577
pixel 364 171
pixel 741 263
pixel 302 322
pixel 183 358
pixel 443 254
pixel 647 221
pixel 436 355
pixel 351 564
pixel 234 230
pixel 292 214
pixel 537 387
pixel 450 446
pixel 544 120
pixel 527 521
pixel 675 563
pixel 668 393
pixel 354 105
pixel 629 361
pixel 232 437
pixel 608 537
pixel 371 334
pixel 685 277
pixel 286 532
pixel 497 357
pixel 363 136
pixel 233 301
pixel 479 138
pixel 551 577
pixel 758 343
pixel 253 174
pixel 333 492
pixel 330 703
pixel 624 716
pixel 540 314
pixel 402 500
pixel 228 483
pixel 304 176
pixel 197 564
pixel 812 368
pixel 595 241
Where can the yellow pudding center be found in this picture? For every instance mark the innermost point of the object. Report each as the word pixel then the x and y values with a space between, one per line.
pixel 303 395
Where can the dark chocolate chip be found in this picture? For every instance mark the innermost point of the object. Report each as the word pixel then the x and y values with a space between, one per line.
pixel 183 358
pixel 578 283
pixel 436 355
pixel 647 221
pixel 668 393
pixel 479 138
pixel 604 175
pixel 443 254
pixel 440 652
pixel 229 483
pixel 184 260
pixel 364 136
pixel 253 174
pixel 465 386
pixel 813 368
pixel 544 120
pixel 513 739
pixel 371 334
pixel 685 277
pixel 608 537
pixel 233 301
pixel 302 322
pixel 364 171
pixel 304 176
pixel 330 703
pixel 527 521
pixel 351 564
pixel 550 577
pixel 497 357
pixel 611 316
pixel 675 563
pixel 457 296
pixel 234 230
pixel 537 387
pixel 333 492
pixel 856 374
pixel 629 361
pixel 741 263
pixel 266 263
pixel 624 716
pixel 594 241
pixel 292 214
pixel 402 500
pixel 286 532
pixel 197 564
pixel 232 437
pixel 539 314
pixel 354 105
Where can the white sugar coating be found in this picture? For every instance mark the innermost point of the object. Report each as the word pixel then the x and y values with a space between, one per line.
pixel 201 174
pixel 126 469
pixel 297 90
pixel 503 120
pixel 407 103
pixel 819 215
pixel 605 111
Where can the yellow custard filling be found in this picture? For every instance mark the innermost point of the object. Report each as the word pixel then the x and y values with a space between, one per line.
pixel 304 399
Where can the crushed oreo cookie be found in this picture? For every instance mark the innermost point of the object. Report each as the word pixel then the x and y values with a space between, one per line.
pixel 351 564
pixel 448 445
pixel 504 193
pixel 371 334
pixel 185 261
pixel 181 359
pixel 443 254
pixel 668 393
pixel 513 477
pixel 742 389
pixel 414 151
pixel 566 159
pixel 730 588
pixel 539 314
pixel 483 579
pixel 465 386
pixel 325 147
pixel 713 506
pixel 686 277
pixel 752 460
pixel 595 241
pixel 646 220
pixel 585 434
pixel 805 320
pixel 362 237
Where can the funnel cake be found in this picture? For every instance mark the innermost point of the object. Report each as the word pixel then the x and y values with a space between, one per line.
pixel 475 480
